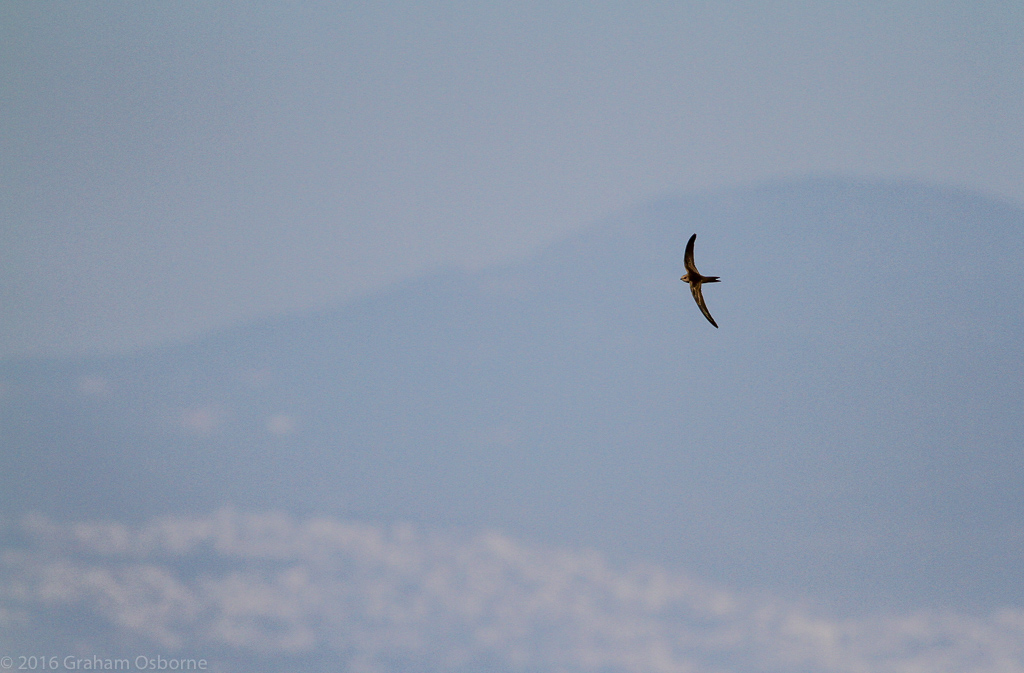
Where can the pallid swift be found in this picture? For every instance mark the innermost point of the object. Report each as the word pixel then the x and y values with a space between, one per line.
pixel 695 280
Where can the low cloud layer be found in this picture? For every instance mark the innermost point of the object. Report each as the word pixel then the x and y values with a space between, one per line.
pixel 322 593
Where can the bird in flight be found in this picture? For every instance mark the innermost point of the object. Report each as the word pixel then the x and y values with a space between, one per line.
pixel 695 280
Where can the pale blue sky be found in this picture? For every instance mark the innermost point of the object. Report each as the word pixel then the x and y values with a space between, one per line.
pixel 168 168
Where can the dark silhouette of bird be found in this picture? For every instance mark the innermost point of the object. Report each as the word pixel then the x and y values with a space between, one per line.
pixel 695 280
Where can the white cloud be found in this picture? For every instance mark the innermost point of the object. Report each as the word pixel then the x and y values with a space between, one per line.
pixel 93 386
pixel 281 424
pixel 268 584
pixel 202 420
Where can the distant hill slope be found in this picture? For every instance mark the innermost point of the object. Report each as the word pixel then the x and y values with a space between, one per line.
pixel 855 429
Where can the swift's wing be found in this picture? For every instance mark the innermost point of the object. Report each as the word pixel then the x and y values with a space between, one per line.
pixel 699 298
pixel 691 268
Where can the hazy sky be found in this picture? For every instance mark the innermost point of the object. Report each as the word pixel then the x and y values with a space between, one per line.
pixel 166 168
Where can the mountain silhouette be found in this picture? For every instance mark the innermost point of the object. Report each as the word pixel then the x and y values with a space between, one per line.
pixel 851 433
